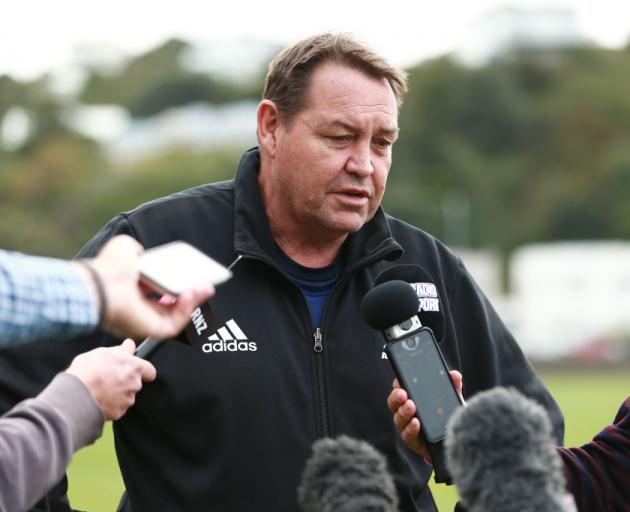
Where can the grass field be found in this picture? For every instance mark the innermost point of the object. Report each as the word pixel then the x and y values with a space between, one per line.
pixel 589 399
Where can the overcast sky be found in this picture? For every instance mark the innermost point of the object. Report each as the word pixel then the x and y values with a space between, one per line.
pixel 39 35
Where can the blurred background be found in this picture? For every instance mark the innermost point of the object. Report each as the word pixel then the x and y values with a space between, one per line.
pixel 514 150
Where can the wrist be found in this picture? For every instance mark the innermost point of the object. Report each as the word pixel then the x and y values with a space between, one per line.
pixel 96 285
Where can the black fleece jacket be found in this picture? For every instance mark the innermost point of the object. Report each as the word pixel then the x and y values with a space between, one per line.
pixel 230 430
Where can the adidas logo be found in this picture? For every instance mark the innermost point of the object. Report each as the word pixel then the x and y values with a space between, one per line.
pixel 229 338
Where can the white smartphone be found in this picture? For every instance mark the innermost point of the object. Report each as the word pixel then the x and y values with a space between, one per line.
pixel 178 266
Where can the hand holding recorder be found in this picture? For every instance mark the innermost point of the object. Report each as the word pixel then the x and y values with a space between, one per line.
pixel 113 376
pixel 122 274
pixel 412 349
pixel 407 423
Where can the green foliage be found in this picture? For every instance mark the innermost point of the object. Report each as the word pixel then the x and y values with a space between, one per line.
pixel 53 201
pixel 134 184
pixel 157 80
pixel 11 93
pixel 531 147
pixel 41 199
pixel 536 143
pixel 137 76
pixel 35 98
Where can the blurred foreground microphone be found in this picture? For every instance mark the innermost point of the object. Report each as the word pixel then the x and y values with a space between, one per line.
pixel 502 457
pixel 201 319
pixel 392 307
pixel 430 308
pixel 346 475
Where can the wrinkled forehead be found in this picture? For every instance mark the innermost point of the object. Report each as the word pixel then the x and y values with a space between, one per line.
pixel 350 92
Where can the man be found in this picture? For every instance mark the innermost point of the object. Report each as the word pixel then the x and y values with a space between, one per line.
pixel 44 297
pixel 230 423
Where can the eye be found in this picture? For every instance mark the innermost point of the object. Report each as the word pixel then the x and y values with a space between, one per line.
pixel 383 144
pixel 341 138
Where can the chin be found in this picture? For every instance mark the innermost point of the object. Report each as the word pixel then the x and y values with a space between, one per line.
pixel 348 225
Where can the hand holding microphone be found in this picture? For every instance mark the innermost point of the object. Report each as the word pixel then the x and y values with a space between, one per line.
pixel 113 376
pixel 405 419
pixel 405 306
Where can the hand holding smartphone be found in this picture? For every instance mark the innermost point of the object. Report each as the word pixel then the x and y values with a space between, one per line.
pixel 421 370
pixel 178 266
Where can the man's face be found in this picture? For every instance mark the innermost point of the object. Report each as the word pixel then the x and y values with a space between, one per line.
pixel 331 161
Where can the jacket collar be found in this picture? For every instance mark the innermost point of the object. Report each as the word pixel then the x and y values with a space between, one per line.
pixel 252 235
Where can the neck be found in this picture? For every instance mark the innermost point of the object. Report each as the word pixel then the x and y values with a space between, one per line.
pixel 309 253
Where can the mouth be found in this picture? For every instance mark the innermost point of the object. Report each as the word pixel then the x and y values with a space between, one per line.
pixel 355 193
pixel 354 197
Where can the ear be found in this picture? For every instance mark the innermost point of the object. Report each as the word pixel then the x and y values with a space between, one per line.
pixel 268 119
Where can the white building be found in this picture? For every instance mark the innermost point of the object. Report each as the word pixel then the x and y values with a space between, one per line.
pixel 197 127
pixel 486 268
pixel 569 295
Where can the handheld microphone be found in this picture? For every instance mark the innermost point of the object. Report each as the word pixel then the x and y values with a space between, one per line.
pixel 346 475
pixel 412 350
pixel 389 304
pixel 502 457
pixel 202 318
pixel 430 310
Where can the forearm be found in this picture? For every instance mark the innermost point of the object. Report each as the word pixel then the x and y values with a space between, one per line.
pixel 38 438
pixel 43 297
pixel 598 473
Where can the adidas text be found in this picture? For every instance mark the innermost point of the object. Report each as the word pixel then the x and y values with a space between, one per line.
pixel 230 346
pixel 229 338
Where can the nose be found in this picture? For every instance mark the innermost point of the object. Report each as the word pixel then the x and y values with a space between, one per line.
pixel 360 161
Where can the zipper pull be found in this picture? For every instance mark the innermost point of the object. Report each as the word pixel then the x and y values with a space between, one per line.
pixel 318 340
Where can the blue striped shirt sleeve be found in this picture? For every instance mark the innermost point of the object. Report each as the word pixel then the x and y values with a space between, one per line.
pixel 42 298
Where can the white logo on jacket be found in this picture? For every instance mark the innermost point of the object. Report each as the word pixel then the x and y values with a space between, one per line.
pixel 229 338
pixel 427 296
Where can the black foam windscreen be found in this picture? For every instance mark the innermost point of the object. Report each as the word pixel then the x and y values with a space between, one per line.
pixel 346 475
pixel 389 304
pixel 502 457
pixel 430 309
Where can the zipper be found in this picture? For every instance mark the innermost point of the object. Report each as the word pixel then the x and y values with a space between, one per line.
pixel 318 347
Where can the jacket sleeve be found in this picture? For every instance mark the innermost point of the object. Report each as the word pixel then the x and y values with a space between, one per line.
pixel 38 437
pixel 487 353
pixel 119 225
pixel 598 473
